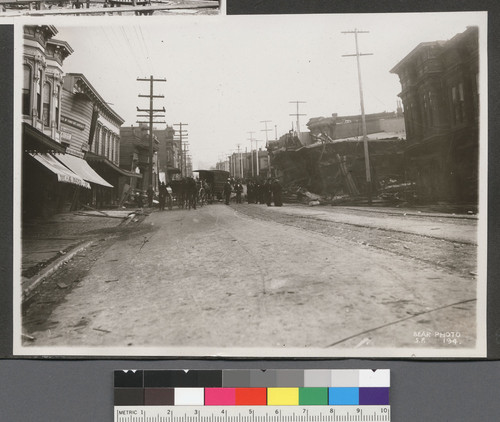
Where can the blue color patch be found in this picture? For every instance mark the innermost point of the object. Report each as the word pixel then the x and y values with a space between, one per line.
pixel 346 396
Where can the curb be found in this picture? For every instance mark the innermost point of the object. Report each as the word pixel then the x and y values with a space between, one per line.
pixel 33 282
pixel 414 213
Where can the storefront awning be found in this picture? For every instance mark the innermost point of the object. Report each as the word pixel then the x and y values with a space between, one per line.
pixel 36 141
pixel 63 174
pixel 81 167
pixel 91 157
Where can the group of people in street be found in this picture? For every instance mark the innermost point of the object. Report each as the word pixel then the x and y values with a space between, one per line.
pixel 187 193
pixel 267 192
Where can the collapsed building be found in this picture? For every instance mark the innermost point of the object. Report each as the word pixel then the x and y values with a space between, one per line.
pixel 329 161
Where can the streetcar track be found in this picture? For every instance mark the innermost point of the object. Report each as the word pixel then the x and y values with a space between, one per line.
pixel 328 224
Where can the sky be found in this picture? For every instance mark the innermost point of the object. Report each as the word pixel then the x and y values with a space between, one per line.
pixel 227 74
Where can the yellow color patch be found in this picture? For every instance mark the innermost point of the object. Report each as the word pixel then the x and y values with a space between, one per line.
pixel 282 396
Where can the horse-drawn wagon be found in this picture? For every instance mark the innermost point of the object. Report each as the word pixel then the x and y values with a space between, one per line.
pixel 215 180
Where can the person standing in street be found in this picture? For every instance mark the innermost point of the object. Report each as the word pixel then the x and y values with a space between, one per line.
pixel 162 196
pixel 276 190
pixel 268 194
pixel 150 194
pixel 227 191
pixel 250 192
pixel 259 193
pixel 238 189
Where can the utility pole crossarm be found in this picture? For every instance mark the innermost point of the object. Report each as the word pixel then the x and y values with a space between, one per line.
pixel 151 96
pixel 152 79
pixel 355 55
pixel 151 110
pixel 297 114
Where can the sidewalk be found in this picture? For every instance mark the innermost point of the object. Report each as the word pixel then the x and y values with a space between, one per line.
pixel 47 244
pixel 455 228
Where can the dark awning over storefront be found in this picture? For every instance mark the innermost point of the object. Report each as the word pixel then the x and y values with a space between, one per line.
pixel 93 158
pixel 81 167
pixel 64 175
pixel 36 141
pixel 173 170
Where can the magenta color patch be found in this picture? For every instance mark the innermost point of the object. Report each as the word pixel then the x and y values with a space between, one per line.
pixel 220 397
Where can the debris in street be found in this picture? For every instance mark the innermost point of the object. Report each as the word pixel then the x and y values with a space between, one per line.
pixel 145 240
pixel 89 214
pixel 102 330
pixel 27 337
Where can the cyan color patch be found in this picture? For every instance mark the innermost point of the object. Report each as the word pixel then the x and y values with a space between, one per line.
pixel 346 396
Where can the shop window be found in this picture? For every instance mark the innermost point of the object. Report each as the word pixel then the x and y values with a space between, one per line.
pixel 47 91
pixel 26 90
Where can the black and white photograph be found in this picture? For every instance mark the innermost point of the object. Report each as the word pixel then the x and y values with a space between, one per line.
pixel 251 186
pixel 108 8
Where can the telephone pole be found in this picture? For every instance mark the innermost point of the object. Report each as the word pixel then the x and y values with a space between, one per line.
pixel 251 150
pixel 185 146
pixel 257 153
pixel 182 135
pixel 239 158
pixel 151 114
pixel 363 120
pixel 266 129
pixel 297 114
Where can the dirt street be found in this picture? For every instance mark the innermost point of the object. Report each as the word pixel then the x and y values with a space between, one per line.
pixel 252 276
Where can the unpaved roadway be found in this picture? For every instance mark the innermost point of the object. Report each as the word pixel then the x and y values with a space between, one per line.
pixel 259 277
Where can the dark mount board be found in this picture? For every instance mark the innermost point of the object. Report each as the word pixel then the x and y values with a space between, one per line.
pixel 6 167
pixel 269 7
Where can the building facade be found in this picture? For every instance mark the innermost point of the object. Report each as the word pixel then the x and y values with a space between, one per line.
pixel 70 135
pixel 440 94
pixel 135 155
pixel 169 153
pixel 47 185
pixel 247 165
pixel 43 77
pixel 90 129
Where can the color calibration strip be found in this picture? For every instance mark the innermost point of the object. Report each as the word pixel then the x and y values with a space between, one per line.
pixel 340 387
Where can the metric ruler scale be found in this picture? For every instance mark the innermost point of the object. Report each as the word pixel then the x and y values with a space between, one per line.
pixel 252 414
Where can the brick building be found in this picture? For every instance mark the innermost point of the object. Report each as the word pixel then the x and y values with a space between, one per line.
pixel 134 154
pixel 169 152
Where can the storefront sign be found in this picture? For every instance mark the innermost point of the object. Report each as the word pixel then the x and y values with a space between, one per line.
pixel 65 136
pixel 72 122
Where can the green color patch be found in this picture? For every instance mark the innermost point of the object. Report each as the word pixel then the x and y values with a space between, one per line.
pixel 313 396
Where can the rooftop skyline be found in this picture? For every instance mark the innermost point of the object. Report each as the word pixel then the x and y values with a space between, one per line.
pixel 225 75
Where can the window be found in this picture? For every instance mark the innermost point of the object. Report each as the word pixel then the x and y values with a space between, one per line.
pixel 457 98
pixel 57 106
pixel 39 94
pixel 26 90
pixel 430 120
pixel 46 104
